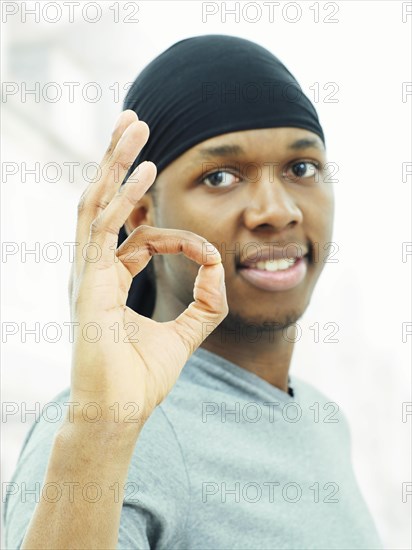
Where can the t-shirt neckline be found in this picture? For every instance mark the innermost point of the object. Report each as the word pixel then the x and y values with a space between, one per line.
pixel 237 378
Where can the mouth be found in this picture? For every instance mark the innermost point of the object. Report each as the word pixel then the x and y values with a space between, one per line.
pixel 275 275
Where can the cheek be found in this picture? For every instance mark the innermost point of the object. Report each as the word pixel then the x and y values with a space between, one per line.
pixel 329 211
pixel 194 213
pixel 318 222
pixel 318 214
pixel 177 212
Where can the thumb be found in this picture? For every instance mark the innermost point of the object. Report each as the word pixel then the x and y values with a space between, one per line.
pixel 207 311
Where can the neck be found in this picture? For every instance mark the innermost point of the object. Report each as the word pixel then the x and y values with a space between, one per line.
pixel 266 353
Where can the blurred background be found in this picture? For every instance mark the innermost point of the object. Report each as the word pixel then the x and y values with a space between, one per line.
pixel 352 59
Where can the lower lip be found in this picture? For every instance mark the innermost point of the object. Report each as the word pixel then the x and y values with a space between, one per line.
pixel 284 279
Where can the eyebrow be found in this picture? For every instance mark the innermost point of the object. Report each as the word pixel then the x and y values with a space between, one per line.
pixel 305 143
pixel 222 151
pixel 235 150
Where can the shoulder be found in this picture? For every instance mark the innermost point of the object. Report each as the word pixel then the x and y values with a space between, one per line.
pixel 156 492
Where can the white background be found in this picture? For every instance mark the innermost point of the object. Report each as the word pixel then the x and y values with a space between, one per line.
pixel 366 53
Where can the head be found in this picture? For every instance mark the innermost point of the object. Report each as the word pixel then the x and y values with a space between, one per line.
pixel 243 168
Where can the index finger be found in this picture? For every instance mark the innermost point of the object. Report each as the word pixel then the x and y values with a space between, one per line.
pixel 146 241
pixel 128 137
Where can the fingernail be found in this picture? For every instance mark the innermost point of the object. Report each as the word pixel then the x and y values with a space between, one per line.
pixel 216 251
pixel 119 119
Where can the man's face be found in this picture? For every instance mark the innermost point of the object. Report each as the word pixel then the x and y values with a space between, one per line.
pixel 251 193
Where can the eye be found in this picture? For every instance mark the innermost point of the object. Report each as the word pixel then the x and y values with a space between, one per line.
pixel 302 169
pixel 219 178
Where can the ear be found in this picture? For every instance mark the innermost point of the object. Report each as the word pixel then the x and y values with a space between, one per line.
pixel 143 214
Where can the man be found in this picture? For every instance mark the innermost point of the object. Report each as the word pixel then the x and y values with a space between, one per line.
pixel 214 446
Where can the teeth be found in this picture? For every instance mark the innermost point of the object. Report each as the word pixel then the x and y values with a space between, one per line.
pixel 275 265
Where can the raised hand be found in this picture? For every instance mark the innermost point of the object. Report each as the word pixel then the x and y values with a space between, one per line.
pixel 124 362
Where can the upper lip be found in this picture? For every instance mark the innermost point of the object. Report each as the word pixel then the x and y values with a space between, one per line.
pixel 288 251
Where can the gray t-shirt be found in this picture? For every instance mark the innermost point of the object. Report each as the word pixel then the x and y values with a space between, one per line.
pixel 227 461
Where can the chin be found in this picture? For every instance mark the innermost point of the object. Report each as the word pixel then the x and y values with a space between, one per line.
pixel 261 321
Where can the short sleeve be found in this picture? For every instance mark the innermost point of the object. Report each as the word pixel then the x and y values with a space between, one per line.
pixel 157 493
pixel 23 491
pixel 156 496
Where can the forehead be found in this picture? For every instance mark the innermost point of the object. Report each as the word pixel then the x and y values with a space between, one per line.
pixel 257 138
pixel 258 145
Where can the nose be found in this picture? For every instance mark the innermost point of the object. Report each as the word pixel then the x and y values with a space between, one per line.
pixel 271 206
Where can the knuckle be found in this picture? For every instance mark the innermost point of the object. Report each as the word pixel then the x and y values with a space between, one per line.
pixel 99 226
pixel 119 163
pixel 96 226
pixel 81 204
pixel 85 204
pixel 125 197
pixel 100 203
pixel 110 149
pixel 192 237
pixel 124 164
pixel 142 228
pixel 188 234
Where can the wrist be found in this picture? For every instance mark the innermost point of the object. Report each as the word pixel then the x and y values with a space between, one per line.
pixel 107 439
